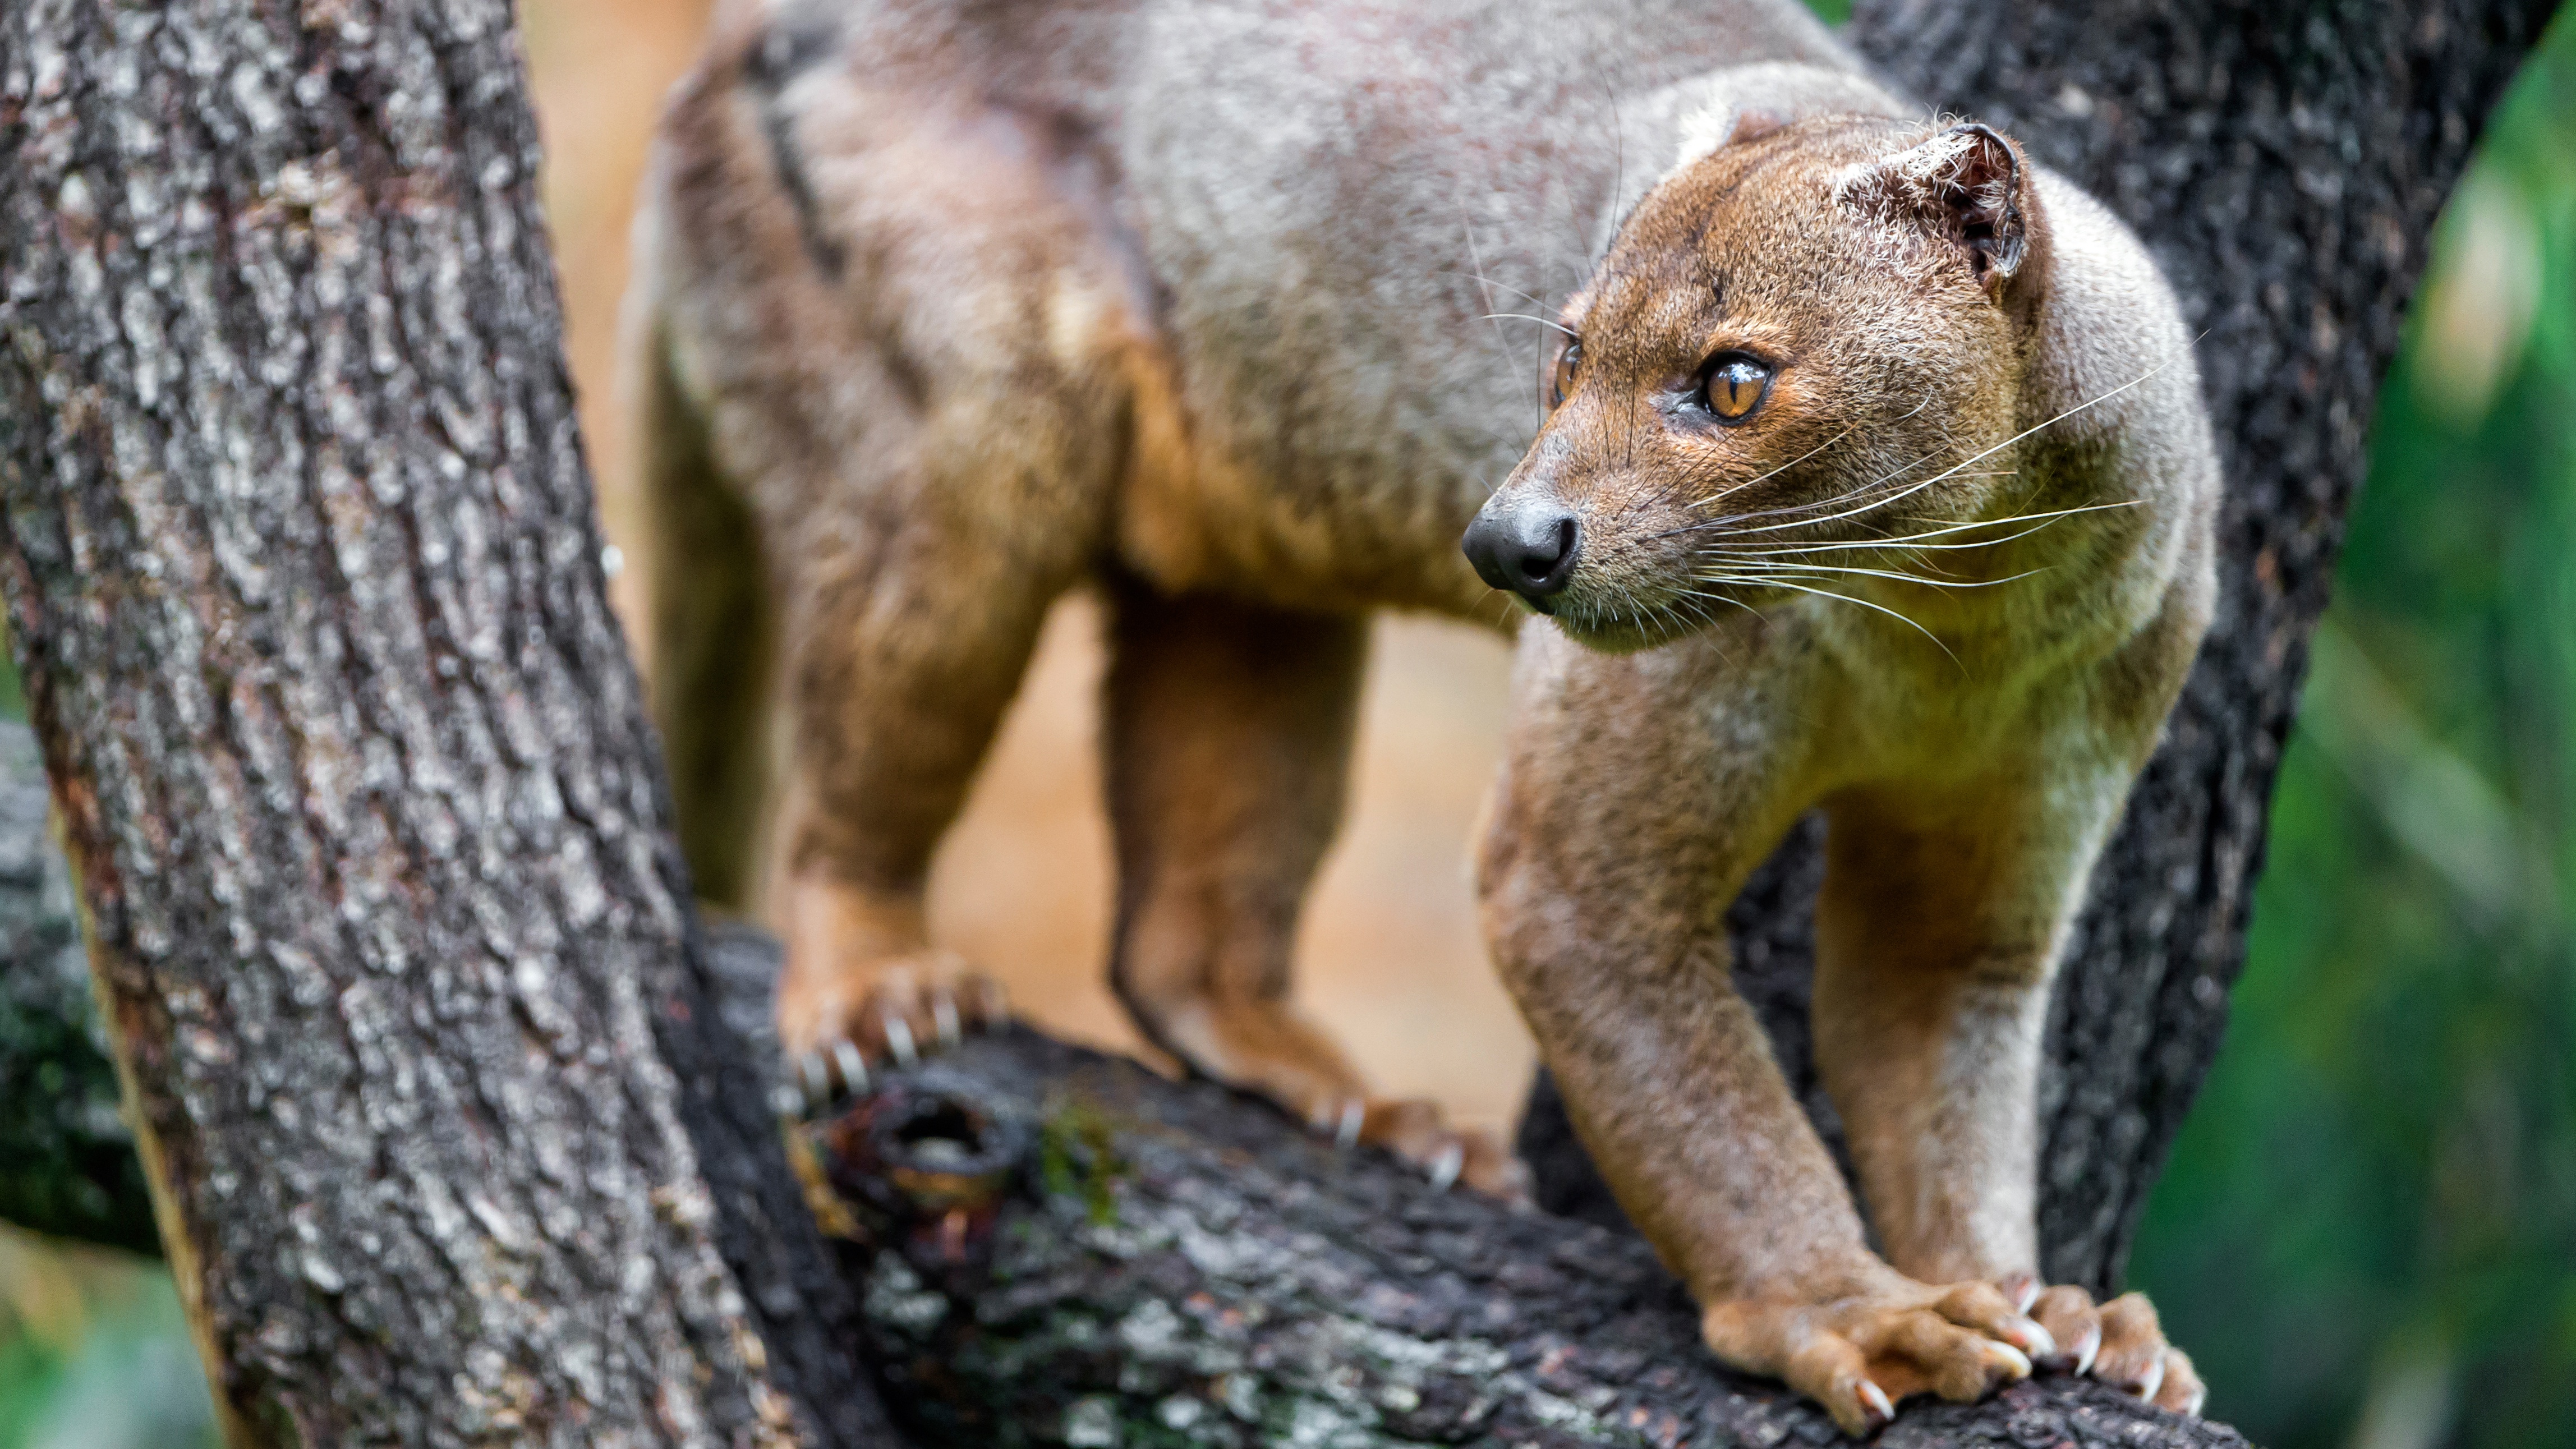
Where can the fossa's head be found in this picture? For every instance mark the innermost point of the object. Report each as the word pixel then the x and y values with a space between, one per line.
pixel 1802 345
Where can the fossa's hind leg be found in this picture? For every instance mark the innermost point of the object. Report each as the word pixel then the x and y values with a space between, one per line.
pixel 908 345
pixel 911 621
pixel 1228 730
pixel 901 667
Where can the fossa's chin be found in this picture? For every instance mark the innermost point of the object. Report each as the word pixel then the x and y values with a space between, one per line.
pixel 1612 629
pixel 1611 620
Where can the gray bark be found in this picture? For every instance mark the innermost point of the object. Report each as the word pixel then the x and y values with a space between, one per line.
pixel 2285 162
pixel 304 580
pixel 1058 1247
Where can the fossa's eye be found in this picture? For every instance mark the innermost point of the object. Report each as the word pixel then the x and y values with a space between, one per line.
pixel 1734 387
pixel 1561 381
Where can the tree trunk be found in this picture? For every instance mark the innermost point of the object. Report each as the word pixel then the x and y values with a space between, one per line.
pixel 448 1144
pixel 2285 163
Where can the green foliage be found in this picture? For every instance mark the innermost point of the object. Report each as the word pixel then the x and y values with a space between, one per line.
pixel 94 1353
pixel 2367 1235
pixel 1078 1158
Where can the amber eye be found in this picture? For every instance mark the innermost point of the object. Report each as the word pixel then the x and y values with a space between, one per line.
pixel 1562 382
pixel 1735 387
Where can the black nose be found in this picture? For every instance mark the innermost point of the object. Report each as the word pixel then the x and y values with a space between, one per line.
pixel 1526 547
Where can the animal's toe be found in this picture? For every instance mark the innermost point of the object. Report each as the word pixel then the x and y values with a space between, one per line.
pixel 824 1077
pixel 2182 1390
pixel 2133 1354
pixel 1479 1161
pixel 1492 1168
pixel 946 1021
pixel 1919 1349
pixel 1339 1118
pixel 2074 1328
pixel 988 1005
pixel 1832 1371
pixel 1416 1131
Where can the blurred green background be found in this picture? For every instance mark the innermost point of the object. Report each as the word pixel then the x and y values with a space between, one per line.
pixel 2367 1235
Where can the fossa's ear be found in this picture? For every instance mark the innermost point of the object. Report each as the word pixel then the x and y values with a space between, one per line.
pixel 1968 186
pixel 1747 103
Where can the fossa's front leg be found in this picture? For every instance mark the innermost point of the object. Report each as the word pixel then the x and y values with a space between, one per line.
pixel 1942 914
pixel 1620 829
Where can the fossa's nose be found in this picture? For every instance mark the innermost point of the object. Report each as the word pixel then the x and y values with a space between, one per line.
pixel 1526 546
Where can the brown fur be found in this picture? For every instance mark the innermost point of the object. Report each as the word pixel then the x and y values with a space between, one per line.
pixel 947 309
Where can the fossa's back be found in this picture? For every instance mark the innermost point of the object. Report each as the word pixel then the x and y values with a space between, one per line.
pixel 1338 231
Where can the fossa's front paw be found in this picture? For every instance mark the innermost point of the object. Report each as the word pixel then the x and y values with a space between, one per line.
pixel 834 1027
pixel 2119 1342
pixel 1861 1352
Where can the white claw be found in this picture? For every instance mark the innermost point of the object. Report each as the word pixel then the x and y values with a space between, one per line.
pixel 1347 1131
pixel 2155 1380
pixel 786 1100
pixel 817 1080
pixel 2041 1344
pixel 1874 1399
pixel 1445 1167
pixel 995 1001
pixel 898 1034
pixel 854 1068
pixel 2085 1349
pixel 943 1012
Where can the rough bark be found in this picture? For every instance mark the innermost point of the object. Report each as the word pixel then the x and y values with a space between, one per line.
pixel 1060 1247
pixel 305 584
pixel 2285 162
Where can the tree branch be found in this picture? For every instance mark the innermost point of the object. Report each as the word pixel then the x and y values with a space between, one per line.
pixel 1057 1246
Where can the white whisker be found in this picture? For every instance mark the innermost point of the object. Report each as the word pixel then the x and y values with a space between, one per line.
pixel 1848 571
pixel 1525 317
pixel 2037 521
pixel 1802 457
pixel 1848 599
pixel 1956 468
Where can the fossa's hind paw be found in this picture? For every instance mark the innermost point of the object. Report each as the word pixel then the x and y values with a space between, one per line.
pixel 1415 1131
pixel 912 1009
